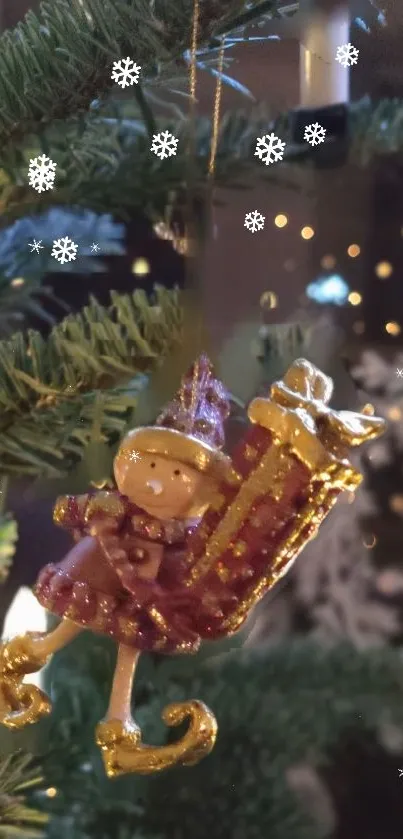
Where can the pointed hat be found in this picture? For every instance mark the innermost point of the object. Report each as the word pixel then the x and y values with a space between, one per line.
pixel 190 428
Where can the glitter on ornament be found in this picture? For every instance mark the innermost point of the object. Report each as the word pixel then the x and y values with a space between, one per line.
pixel 182 550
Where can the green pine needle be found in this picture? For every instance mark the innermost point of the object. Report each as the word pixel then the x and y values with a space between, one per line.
pixel 8 540
pixel 277 707
pixel 17 818
pixel 55 64
pixel 108 166
pixel 49 387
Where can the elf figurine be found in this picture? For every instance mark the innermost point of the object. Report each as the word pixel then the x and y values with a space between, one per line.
pixel 186 545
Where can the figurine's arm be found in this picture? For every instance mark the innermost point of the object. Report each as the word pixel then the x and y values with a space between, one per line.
pixel 69 512
pixel 104 515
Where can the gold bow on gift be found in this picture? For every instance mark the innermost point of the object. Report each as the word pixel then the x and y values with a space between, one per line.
pixel 307 391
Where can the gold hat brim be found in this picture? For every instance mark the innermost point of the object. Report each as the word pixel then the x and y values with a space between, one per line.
pixel 175 445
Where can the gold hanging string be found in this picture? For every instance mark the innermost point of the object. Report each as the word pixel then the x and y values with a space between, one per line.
pixel 193 52
pixel 196 335
pixel 218 87
pixel 216 112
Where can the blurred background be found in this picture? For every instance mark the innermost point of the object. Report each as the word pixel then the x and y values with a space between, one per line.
pixel 310 701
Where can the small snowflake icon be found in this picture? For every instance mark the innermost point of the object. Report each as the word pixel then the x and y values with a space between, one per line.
pixel 269 148
pixel 347 55
pixel 64 250
pixel 164 145
pixel 36 246
pixel 41 173
pixel 314 134
pixel 94 247
pixel 125 72
pixel 254 221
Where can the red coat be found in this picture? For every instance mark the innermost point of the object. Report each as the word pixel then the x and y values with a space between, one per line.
pixel 100 583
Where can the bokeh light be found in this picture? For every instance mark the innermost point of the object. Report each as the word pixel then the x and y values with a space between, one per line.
pixel 383 270
pixel 281 220
pixel 141 267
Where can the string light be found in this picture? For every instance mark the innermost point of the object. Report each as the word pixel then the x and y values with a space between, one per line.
pixel 268 300
pixel 383 270
pixel 307 232
pixel 51 792
pixel 141 267
pixel 394 413
pixel 359 327
pixel 396 504
pixel 354 298
pixel 17 282
pixel 368 409
pixel 392 328
pixel 328 262
pixel 353 251
pixel 281 220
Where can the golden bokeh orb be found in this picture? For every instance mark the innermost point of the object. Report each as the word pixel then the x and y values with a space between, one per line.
pixel 353 251
pixel 307 232
pixel 141 267
pixel 354 298
pixel 281 220
pixel 392 328
pixel 383 270
pixel 268 300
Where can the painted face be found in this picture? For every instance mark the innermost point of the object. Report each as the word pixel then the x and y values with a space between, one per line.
pixel 164 488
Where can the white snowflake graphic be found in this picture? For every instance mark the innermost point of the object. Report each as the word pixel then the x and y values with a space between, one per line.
pixel 94 247
pixel 64 250
pixel 41 173
pixel 36 246
pixel 269 148
pixel 347 55
pixel 164 144
pixel 314 134
pixel 254 221
pixel 125 72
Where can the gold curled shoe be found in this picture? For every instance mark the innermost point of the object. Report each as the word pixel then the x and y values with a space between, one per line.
pixel 113 736
pixel 21 704
pixel 124 753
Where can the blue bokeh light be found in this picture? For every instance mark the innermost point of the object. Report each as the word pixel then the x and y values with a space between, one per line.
pixel 332 289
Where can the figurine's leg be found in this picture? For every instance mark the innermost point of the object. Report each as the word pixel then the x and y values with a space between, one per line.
pixel 46 645
pixel 120 700
pixel 120 738
pixel 22 703
pixel 118 728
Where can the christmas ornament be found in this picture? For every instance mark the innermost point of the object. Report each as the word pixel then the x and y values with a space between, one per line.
pixel 186 545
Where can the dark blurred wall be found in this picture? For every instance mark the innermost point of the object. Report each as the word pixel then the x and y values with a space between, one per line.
pixel 12 11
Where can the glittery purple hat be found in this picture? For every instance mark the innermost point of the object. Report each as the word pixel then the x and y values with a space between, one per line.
pixel 190 428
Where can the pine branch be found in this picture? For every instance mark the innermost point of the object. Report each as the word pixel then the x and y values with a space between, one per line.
pixel 109 167
pixel 20 298
pixel 8 540
pixel 277 707
pixel 56 64
pixel 17 819
pixel 49 387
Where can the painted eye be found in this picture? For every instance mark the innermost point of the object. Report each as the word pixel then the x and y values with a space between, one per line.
pixel 177 472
